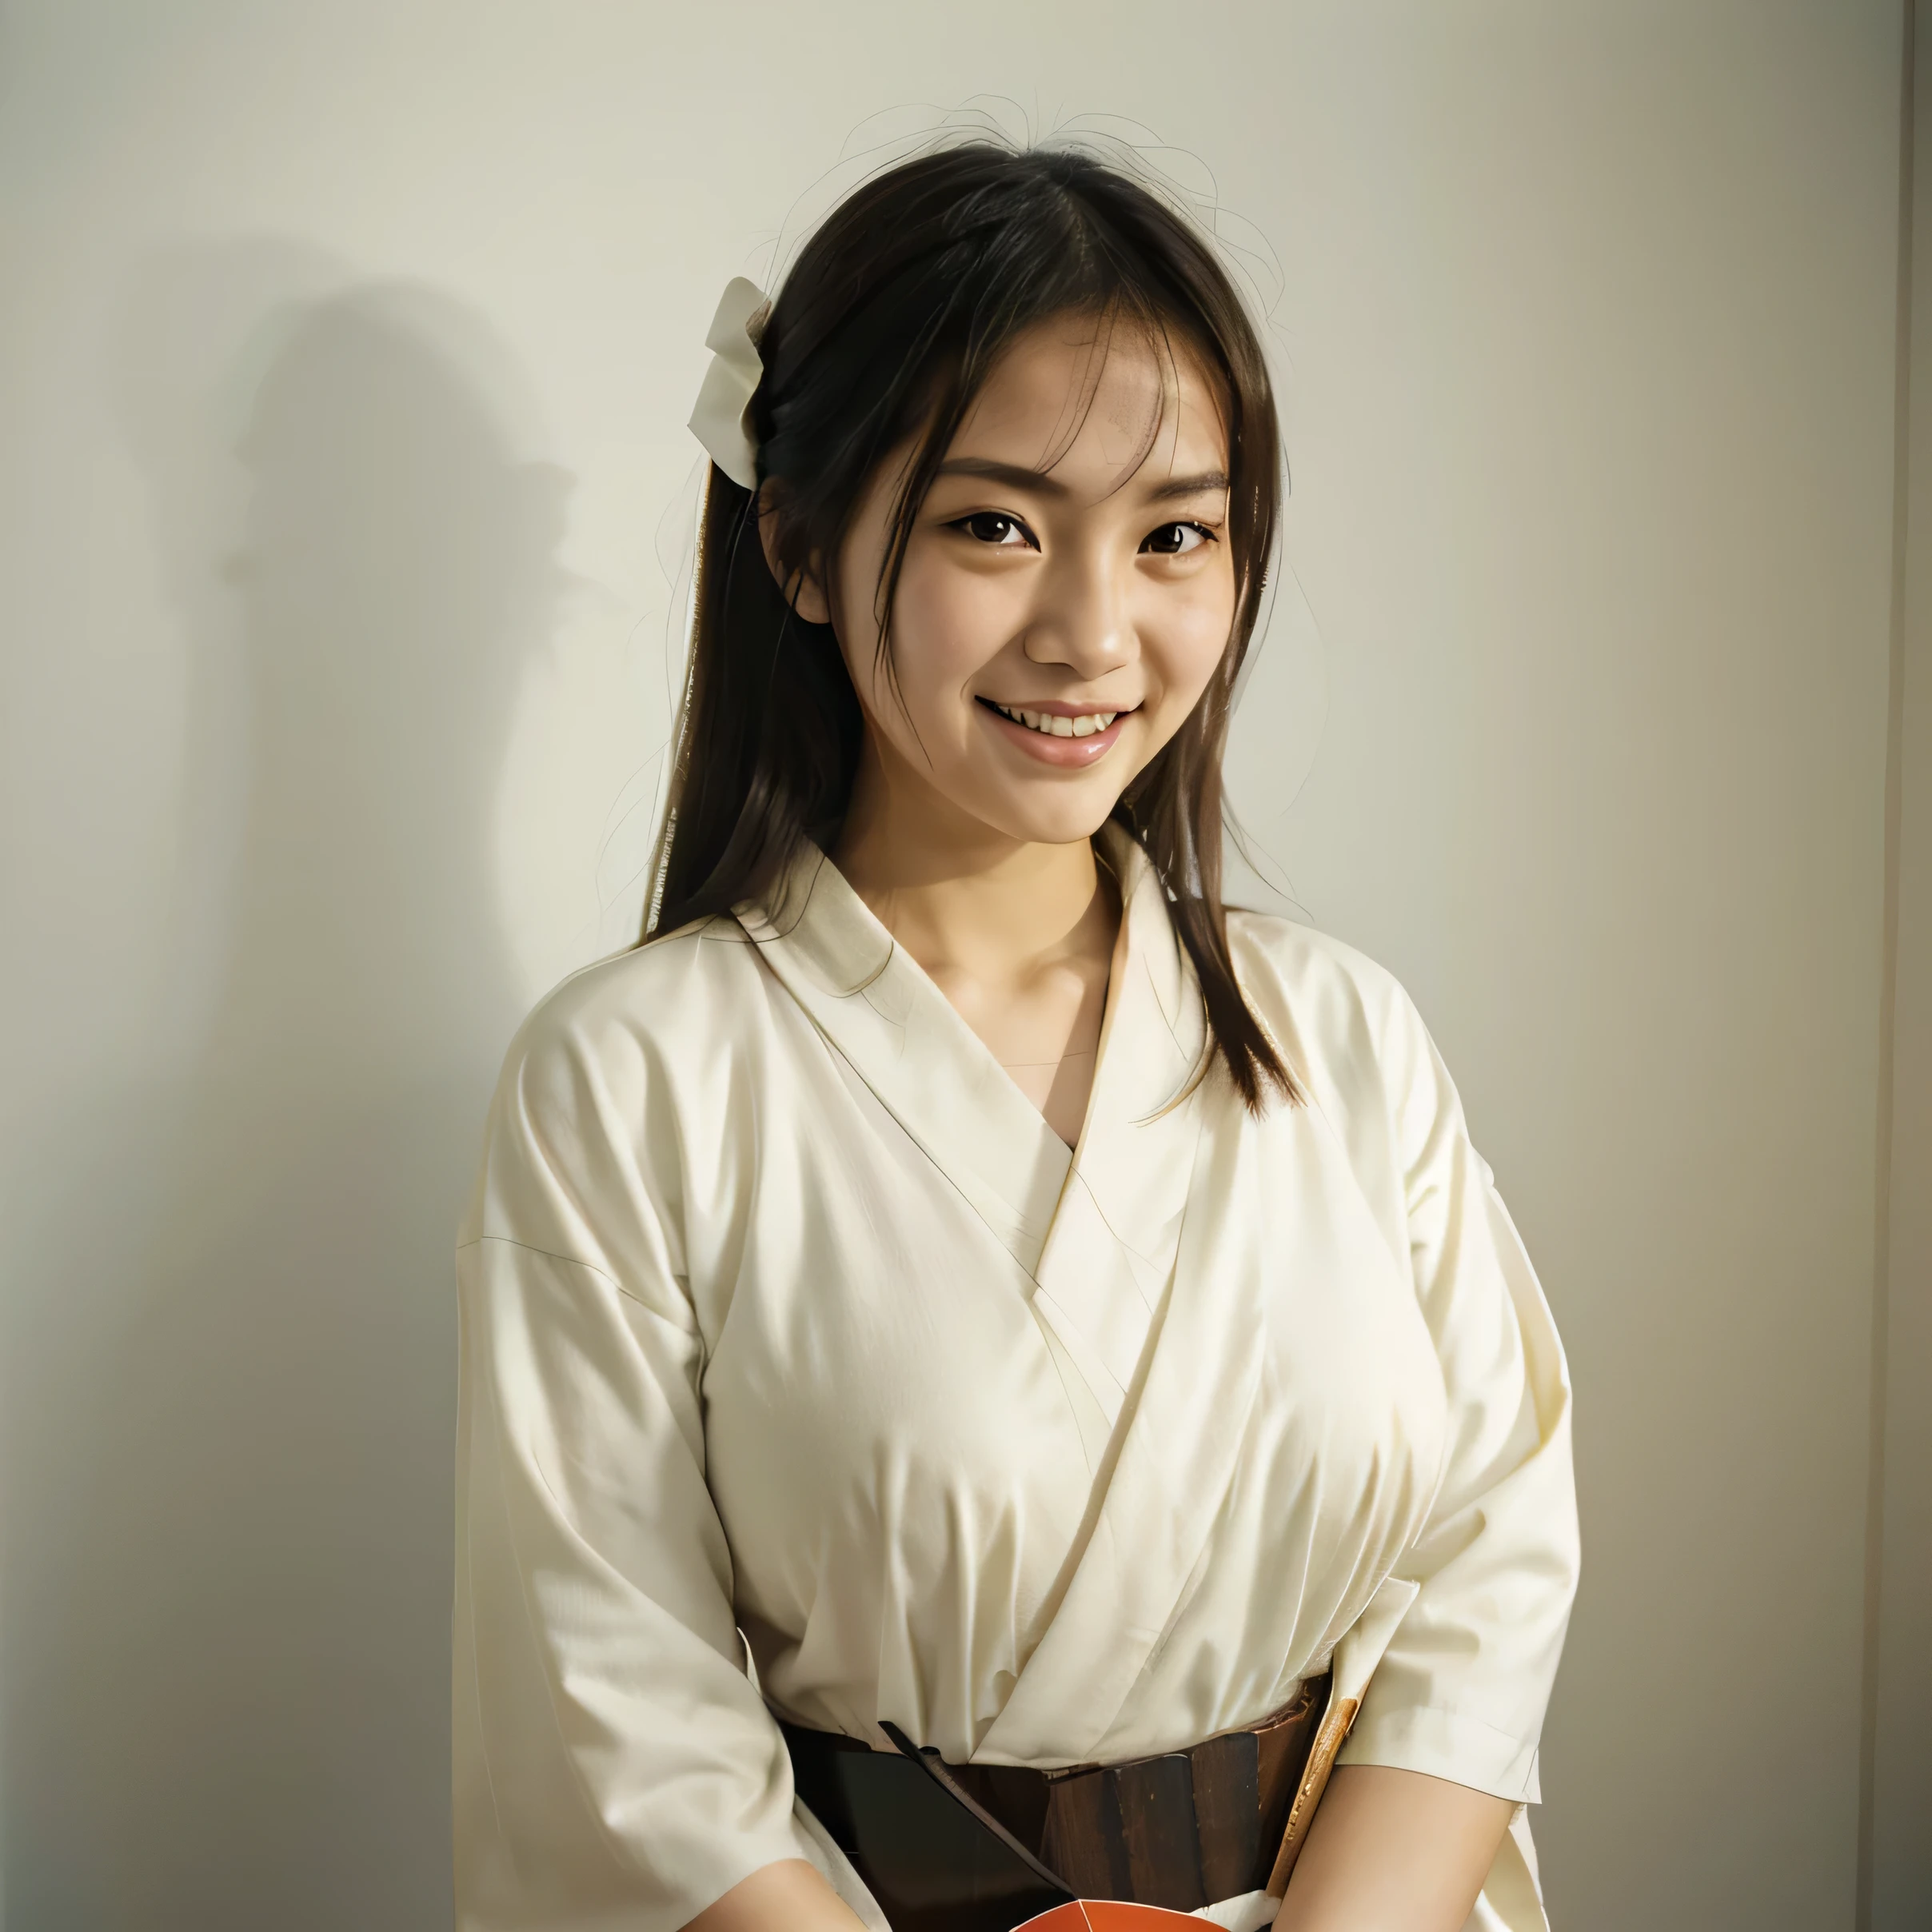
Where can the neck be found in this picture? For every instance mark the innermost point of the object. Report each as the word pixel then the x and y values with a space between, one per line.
pixel 960 896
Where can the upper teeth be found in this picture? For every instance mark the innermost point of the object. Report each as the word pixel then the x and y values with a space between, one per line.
pixel 1082 727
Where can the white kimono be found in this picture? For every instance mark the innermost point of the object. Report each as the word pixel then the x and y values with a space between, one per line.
pixel 785 1313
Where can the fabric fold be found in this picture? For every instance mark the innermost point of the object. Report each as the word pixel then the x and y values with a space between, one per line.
pixel 783 1313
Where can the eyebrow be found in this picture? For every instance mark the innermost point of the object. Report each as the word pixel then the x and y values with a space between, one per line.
pixel 1016 476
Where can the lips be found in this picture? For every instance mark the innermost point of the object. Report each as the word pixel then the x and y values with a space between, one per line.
pixel 1059 735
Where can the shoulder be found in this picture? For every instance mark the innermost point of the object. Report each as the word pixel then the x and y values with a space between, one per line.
pixel 650 1005
pixel 1345 1022
pixel 1333 996
pixel 621 1049
pixel 601 1086
pixel 1347 1025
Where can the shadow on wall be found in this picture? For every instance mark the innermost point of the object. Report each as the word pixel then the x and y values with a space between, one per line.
pixel 236 1710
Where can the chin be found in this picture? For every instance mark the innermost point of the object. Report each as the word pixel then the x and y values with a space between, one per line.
pixel 1067 823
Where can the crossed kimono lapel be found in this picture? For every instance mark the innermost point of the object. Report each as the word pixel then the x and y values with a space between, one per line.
pixel 1177 1448
pixel 876 1007
pixel 1132 1245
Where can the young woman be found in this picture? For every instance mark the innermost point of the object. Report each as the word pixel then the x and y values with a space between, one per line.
pixel 955 1289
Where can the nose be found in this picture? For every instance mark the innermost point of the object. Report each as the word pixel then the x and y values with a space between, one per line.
pixel 1082 619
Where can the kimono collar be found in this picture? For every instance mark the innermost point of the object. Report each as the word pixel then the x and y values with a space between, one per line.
pixel 877 1006
pixel 833 937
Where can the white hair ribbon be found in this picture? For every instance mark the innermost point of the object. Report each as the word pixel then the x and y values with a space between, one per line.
pixel 721 421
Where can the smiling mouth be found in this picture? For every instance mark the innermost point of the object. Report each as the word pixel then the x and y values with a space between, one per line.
pixel 1051 725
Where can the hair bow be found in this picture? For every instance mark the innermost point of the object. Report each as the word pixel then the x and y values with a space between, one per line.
pixel 721 421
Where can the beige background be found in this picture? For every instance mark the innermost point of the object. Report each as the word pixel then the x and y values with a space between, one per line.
pixel 346 352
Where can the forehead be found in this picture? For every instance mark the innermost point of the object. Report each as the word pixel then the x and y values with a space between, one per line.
pixel 1085 397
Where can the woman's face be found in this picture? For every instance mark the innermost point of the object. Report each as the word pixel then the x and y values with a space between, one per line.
pixel 1062 603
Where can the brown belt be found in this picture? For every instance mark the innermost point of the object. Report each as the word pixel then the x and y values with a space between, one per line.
pixel 977 1847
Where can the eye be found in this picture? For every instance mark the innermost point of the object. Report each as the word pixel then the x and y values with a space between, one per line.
pixel 995 526
pixel 1176 539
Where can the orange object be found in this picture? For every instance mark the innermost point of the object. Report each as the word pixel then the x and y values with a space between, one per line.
pixel 1109 1915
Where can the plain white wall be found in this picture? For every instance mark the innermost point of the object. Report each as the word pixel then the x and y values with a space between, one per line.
pixel 346 354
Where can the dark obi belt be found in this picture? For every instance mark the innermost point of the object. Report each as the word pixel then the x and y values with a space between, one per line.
pixel 981 1847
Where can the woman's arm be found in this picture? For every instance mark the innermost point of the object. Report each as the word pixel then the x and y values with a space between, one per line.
pixel 788 1897
pixel 614 1763
pixel 1459 1693
pixel 1390 1851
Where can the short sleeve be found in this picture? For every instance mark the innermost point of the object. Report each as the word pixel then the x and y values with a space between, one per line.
pixel 614 1765
pixel 1461 1691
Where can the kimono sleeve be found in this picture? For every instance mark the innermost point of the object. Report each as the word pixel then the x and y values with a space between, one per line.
pixel 1461 1691
pixel 613 1764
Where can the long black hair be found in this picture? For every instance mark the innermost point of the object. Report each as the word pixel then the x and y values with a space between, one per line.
pixel 884 331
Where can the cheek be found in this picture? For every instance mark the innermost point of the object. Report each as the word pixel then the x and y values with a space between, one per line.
pixel 1184 638
pixel 948 624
